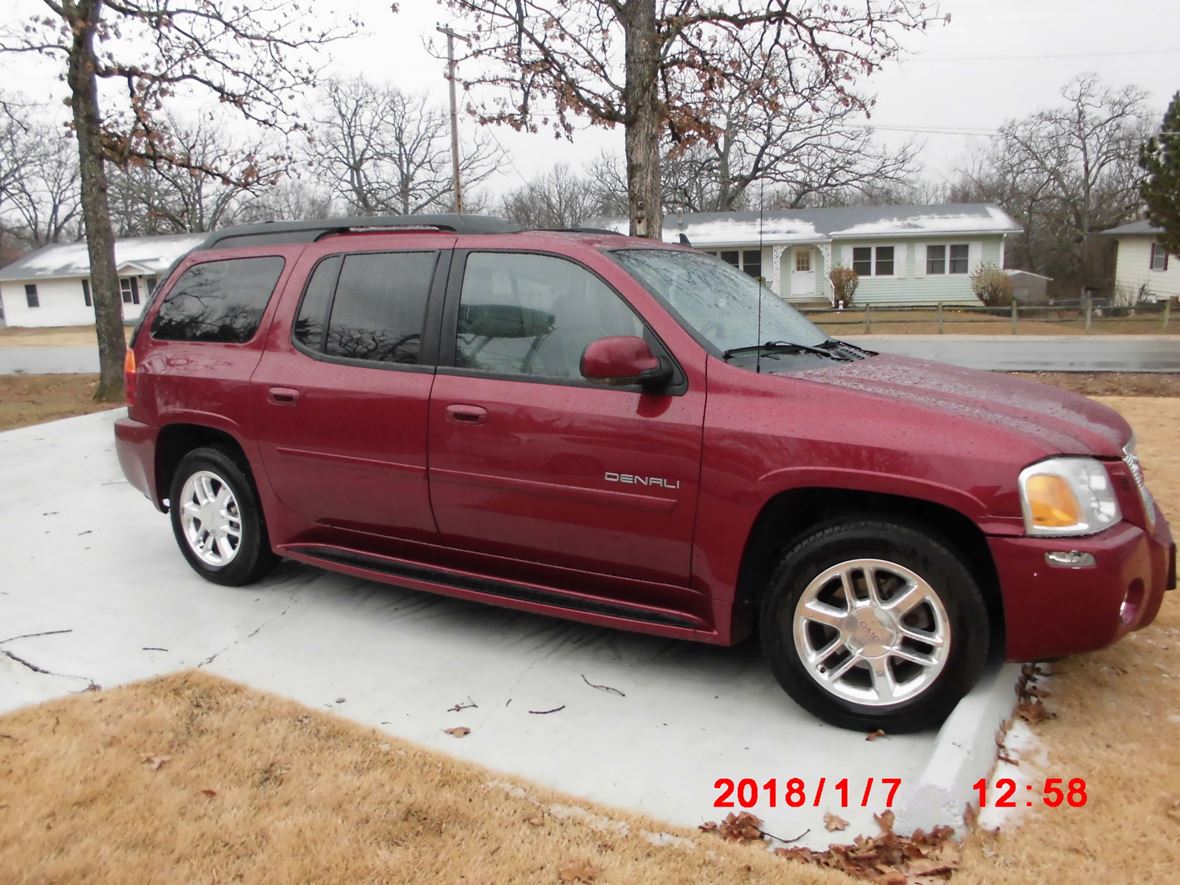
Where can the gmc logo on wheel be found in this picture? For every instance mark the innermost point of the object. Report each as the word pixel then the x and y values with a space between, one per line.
pixel 633 480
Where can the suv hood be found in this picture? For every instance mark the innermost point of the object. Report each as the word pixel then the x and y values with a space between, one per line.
pixel 1062 422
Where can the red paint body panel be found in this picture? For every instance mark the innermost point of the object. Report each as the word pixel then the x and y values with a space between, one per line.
pixel 618 497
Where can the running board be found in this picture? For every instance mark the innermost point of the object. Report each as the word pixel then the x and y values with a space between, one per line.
pixel 491 587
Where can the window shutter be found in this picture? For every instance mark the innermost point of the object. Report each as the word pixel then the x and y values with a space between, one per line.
pixel 974 256
pixel 919 259
pixel 846 256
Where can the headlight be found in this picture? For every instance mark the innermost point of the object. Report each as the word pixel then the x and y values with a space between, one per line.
pixel 1067 496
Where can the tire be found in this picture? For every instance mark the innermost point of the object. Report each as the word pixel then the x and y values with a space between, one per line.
pixel 848 664
pixel 239 552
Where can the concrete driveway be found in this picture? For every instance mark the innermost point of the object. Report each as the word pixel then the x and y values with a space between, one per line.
pixel 84 553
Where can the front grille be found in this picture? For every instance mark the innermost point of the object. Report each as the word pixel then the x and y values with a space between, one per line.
pixel 1131 459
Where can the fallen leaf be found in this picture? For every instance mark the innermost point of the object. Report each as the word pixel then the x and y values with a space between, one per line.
pixel 1174 809
pixel 156 762
pixel 743 827
pixel 873 735
pixel 833 823
pixel 209 793
pixel 535 820
pixel 578 871
pixel 1033 711
pixel 884 821
pixel 458 731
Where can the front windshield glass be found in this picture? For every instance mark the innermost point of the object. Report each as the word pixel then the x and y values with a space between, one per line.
pixel 716 301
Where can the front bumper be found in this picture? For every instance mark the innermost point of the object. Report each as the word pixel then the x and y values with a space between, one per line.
pixel 135 443
pixel 1050 611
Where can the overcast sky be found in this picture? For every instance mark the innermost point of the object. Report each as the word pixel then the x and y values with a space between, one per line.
pixel 996 60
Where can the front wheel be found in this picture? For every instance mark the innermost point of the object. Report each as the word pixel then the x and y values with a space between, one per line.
pixel 217 520
pixel 874 624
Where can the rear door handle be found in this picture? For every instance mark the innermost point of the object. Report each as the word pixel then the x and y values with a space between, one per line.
pixel 464 414
pixel 282 396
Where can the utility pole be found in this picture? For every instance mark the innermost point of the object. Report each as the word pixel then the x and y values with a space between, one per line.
pixel 451 35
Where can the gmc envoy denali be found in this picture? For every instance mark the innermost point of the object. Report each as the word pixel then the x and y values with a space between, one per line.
pixel 631 434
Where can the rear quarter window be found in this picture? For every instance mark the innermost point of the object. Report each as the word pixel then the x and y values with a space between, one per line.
pixel 220 301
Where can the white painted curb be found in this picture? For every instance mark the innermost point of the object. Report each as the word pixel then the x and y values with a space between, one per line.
pixel 964 752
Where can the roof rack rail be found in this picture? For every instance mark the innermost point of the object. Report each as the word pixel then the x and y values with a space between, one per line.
pixel 581 230
pixel 269 233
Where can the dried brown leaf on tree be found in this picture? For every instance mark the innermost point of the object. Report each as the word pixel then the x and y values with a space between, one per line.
pixel 834 823
pixel 580 870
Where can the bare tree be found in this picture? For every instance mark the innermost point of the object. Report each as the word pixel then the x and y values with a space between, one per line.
pixel 659 68
pixel 558 199
pixel 381 150
pixel 250 58
pixel 1064 173
pixel 293 198
pixel 38 177
pixel 186 193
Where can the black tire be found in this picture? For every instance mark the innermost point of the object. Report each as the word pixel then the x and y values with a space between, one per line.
pixel 964 617
pixel 253 558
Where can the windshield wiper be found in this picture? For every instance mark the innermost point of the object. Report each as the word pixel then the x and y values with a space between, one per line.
pixel 783 347
pixel 833 343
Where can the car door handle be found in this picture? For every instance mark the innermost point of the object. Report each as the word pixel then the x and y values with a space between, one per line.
pixel 282 396
pixel 463 414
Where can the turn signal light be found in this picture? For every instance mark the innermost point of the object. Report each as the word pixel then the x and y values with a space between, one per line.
pixel 1052 501
pixel 129 377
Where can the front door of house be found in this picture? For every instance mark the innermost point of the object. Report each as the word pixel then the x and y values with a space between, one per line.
pixel 802 272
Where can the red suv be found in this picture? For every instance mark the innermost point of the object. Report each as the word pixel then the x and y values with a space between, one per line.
pixel 635 435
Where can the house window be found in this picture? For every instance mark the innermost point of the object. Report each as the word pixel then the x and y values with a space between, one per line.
pixel 803 261
pixel 31 295
pixel 1159 257
pixel 129 288
pixel 86 293
pixel 936 259
pixel 862 261
pixel 868 264
pixel 748 260
pixel 959 254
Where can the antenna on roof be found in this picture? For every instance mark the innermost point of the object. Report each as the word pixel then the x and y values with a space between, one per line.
pixel 758 282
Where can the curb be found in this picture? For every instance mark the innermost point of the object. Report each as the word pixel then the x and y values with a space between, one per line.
pixel 964 752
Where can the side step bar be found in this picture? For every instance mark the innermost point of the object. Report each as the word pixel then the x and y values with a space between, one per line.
pixel 494 587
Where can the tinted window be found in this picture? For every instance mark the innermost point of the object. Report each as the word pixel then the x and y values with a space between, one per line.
pixel 959 258
pixel 534 315
pixel 884 261
pixel 218 301
pixel 317 301
pixel 862 260
pixel 379 306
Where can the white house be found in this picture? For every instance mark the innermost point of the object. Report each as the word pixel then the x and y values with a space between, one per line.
pixel 51 287
pixel 1142 268
pixel 910 255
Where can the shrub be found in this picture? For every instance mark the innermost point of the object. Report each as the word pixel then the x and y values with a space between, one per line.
pixel 844 281
pixel 992 286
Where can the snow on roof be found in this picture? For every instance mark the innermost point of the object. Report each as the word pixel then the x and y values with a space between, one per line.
pixel 1142 226
pixel 151 254
pixel 815 225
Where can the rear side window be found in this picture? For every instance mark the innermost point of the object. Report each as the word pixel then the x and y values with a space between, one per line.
pixel 367 306
pixel 218 301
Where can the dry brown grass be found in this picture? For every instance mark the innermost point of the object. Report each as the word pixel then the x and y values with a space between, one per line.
pixel 1100 384
pixel 258 788
pixel 32 399
pixel 54 336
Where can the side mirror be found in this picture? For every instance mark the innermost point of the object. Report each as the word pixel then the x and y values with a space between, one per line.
pixel 624 359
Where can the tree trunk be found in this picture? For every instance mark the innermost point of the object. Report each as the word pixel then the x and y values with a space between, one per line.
pixel 96 212
pixel 642 137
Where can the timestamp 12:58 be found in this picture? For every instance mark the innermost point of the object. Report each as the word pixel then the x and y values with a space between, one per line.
pixel 1052 792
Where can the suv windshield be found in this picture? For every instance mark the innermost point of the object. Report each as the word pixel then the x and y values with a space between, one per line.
pixel 716 301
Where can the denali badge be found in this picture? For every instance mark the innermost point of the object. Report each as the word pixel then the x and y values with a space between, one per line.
pixel 631 479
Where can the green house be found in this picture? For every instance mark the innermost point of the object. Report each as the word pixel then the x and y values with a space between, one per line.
pixel 904 255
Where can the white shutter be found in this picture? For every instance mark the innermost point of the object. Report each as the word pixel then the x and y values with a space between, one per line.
pixel 846 256
pixel 919 260
pixel 974 256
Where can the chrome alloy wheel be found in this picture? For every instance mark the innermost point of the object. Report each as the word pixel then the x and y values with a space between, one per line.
pixel 871 632
pixel 210 518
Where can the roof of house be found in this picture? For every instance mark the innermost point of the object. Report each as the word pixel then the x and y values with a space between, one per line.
pixel 147 255
pixel 1016 271
pixel 843 222
pixel 1142 226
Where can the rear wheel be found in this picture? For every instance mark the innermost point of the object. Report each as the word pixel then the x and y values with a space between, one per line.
pixel 874 624
pixel 217 520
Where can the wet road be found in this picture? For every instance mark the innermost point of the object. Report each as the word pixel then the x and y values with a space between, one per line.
pixel 1028 353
